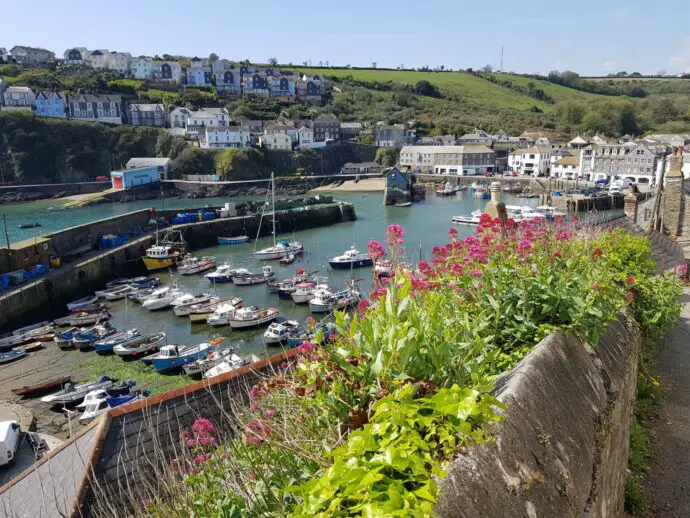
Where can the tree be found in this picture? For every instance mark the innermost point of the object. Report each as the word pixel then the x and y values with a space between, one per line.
pixel 487 69
pixel 169 146
pixel 273 62
pixel 373 64
pixel 192 160
pixel 664 110
pixel 368 138
pixel 387 156
pixel 592 123
pixel 212 58
pixel 424 87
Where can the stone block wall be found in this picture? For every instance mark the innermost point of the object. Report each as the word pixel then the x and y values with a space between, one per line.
pixel 562 449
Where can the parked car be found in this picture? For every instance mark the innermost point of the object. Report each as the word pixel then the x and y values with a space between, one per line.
pixel 9 441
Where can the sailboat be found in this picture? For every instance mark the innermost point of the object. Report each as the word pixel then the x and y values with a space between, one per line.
pixel 166 252
pixel 283 247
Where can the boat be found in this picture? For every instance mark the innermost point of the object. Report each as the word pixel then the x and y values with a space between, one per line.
pixel 12 355
pixel 161 298
pixel 191 265
pixel 223 273
pixel 173 357
pixel 64 340
pixel 383 268
pixel 234 240
pixel 200 313
pixel 325 301
pixel 84 301
pixel 167 252
pixel 465 219
pixel 122 281
pixel 33 328
pixel 221 315
pixel 289 258
pixel 82 319
pixel 72 393
pixel 282 247
pixel 106 345
pixel 28 391
pixel 523 213
pixel 85 339
pixel 352 258
pixel 279 332
pixel 183 305
pixel 404 204
pixel 102 293
pixel 230 364
pixel 550 212
pixel 198 367
pixel 119 293
pixel 30 225
pixel 11 341
pixel 115 401
pixel 446 189
pixel 240 278
pixel 96 402
pixel 91 308
pixel 140 346
pixel 141 295
pixel 243 318
pixel 32 347
pixel 304 293
pixel 528 195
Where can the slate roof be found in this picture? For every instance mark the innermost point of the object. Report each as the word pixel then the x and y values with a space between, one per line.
pixel 147 162
pixel 147 107
pixel 568 160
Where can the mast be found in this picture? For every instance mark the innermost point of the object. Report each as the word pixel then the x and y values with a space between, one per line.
pixel 273 197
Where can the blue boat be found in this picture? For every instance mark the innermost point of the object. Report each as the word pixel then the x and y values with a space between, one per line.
pixel 173 357
pixel 106 345
pixel 64 340
pixel 148 282
pixel 352 258
pixel 86 338
pixel 223 273
pixel 10 356
pixel 114 401
pixel 236 240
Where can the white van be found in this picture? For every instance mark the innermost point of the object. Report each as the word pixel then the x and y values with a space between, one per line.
pixel 619 186
pixel 9 441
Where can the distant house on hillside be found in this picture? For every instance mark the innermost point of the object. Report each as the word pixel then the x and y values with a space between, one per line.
pixel 168 71
pixel 147 115
pixel 75 56
pixel 276 141
pixel 142 67
pixel 394 136
pixel 96 108
pixel 177 120
pixel 326 127
pixel 97 59
pixel 51 104
pixel 119 62
pixel 198 120
pixel 256 84
pixel 198 74
pixel 228 79
pixel 221 137
pixel 350 130
pixel 31 55
pixel 18 98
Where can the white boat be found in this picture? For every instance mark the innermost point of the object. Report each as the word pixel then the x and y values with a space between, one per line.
pixel 72 393
pixel 282 248
pixel 200 313
pixel 352 258
pixel 305 293
pixel 523 213
pixel 200 366
pixel 240 278
pixel 187 302
pixel 233 240
pixel 140 346
pixel 279 332
pixel 243 318
pixel 85 301
pixel 230 364
pixel 94 404
pixel 464 219
pixel 140 295
pixel 383 268
pixel 161 298
pixel 119 292
pixel 550 212
pixel 191 265
pixel 325 301
pixel 223 273
pixel 221 315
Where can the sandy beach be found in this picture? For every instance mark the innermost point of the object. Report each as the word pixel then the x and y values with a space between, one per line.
pixel 364 185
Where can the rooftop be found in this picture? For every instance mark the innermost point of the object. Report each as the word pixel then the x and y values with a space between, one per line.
pixel 568 160
pixel 438 150
pixel 137 162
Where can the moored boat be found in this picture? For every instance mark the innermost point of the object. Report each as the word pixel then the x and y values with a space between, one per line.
pixel 467 219
pixel 82 319
pixel 325 301
pixel 223 273
pixel 84 301
pixel 28 391
pixel 11 355
pixel 91 308
pixel 243 318
pixel 64 340
pixel 352 258
pixel 167 252
pixel 119 293
pixel 198 367
pixel 172 357
pixel 183 305
pixel 107 344
pixel 72 393
pixel 230 364
pixel 161 298
pixel 191 265
pixel 279 332
pixel 233 240
pixel 200 313
pixel 85 339
pixel 140 346
pixel 279 250
pixel 240 278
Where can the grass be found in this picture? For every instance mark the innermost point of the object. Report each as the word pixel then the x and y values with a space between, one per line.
pixel 145 376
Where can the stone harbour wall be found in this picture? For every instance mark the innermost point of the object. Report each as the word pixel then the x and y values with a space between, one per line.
pixel 562 448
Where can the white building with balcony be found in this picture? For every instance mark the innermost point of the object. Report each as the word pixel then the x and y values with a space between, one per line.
pixel 532 161
pixel 221 137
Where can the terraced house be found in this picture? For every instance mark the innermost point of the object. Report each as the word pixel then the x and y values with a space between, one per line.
pixel 228 79
pixel 31 55
pixel 96 108
pixel 450 160
pixel 147 115
pixel 18 98
pixel 51 104
pixel 638 161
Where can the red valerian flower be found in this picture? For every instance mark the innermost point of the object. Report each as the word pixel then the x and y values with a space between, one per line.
pixel 557 254
pixel 597 252
pixel 452 233
pixel 476 273
pixel 306 347
pixel 363 305
pixel 630 296
pixel 596 286
pixel 630 280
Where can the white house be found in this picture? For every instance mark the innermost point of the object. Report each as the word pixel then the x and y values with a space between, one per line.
pixel 168 71
pixel 567 167
pixel 198 120
pixel 636 161
pixel 18 98
pixel 177 120
pixel 285 129
pixel 119 62
pixel 450 160
pixel 276 141
pixel 97 59
pixel 305 137
pixel 75 55
pixel 219 137
pixel 30 55
pixel 142 67
pixel 532 161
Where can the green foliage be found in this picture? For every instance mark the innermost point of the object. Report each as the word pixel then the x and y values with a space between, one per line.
pixel 387 156
pixel 169 146
pixel 634 496
pixel 193 160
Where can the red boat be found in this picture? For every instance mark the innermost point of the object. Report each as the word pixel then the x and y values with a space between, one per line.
pixel 43 387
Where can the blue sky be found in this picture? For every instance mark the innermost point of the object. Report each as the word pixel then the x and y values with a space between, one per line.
pixel 589 37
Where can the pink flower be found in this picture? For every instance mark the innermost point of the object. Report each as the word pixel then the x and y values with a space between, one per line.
pixel 597 252
pixel 363 305
pixel 269 413
pixel 306 347
pixel 525 246
pixel 452 233
pixel 630 296
pixel 500 248
pixel 203 426
pixel 190 443
pixel 395 231
pixel 456 268
pixel 252 476
pixel 630 280
pixel 185 434
pixel 557 254
pixel 375 250
pixel 534 270
pixel 596 286
pixel 476 273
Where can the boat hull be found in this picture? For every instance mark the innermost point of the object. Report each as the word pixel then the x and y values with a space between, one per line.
pixel 219 278
pixel 169 364
pixel 346 265
pixel 153 264
pixel 233 240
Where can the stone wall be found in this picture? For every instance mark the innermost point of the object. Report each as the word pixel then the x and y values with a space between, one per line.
pixel 673 198
pixel 562 449
pixel 52 189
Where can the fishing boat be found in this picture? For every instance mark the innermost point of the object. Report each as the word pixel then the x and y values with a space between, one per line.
pixel 289 258
pixel 325 301
pixel 64 340
pixel 173 357
pixel 140 346
pixel 91 308
pixel 191 265
pixel 85 339
pixel 119 293
pixel 82 319
pixel 183 305
pixel 279 332
pixel 72 393
pixel 467 219
pixel 352 258
pixel 523 213
pixel 12 355
pixel 107 344
pixel 304 293
pixel 243 318
pixel 240 278
pixel 96 402
pixel 28 391
pixel 446 189
pixel 234 240
pixel 404 204
pixel 283 247
pixel 31 347
pixel 84 301
pixel 140 295
pixel 223 273
pixel 221 315
pixel 161 298
pixel 167 252
pixel 198 367
pixel 11 341
pixel 200 313
pixel 230 364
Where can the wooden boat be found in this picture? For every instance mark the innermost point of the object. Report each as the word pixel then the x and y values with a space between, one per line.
pixel 119 293
pixel 27 391
pixel 140 346
pixel 230 364
pixel 234 240
pixel 84 301
pixel 201 313
pixel 12 355
pixel 183 305
pixel 243 318
pixel 27 330
pixel 107 344
pixel 82 319
pixel 199 367
pixel 33 346
pixel 11 341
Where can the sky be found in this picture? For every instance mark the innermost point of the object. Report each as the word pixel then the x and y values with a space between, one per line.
pixel 586 36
